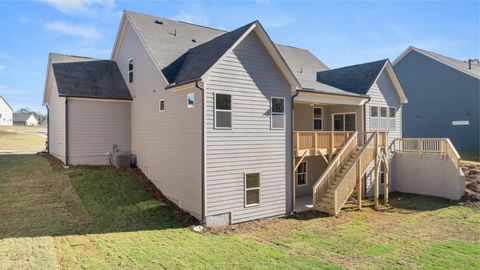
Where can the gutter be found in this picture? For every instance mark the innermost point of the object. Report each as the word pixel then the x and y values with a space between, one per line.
pixel 66 131
pixel 203 155
pixel 292 123
pixel 308 90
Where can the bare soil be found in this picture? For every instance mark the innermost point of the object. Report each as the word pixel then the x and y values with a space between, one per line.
pixel 472 189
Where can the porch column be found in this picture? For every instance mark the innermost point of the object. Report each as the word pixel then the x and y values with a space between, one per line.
pixel 376 184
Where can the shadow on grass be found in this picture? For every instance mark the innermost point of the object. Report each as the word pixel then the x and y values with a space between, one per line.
pixel 39 201
pixel 397 202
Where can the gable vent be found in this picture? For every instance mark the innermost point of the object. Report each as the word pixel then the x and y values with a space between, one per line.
pixel 158 22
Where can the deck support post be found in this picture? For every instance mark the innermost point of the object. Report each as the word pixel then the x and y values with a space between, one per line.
pixel 376 184
pixel 386 170
pixel 359 184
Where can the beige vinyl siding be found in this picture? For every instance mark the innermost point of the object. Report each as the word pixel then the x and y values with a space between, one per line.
pixel 304 116
pixel 248 74
pixel 383 94
pixel 315 167
pixel 167 144
pixel 94 126
pixel 56 123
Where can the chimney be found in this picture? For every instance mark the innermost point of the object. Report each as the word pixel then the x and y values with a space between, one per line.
pixel 469 63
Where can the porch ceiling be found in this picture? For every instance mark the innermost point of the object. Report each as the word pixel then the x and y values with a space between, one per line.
pixel 314 97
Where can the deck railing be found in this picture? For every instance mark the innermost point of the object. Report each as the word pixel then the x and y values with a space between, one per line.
pixel 442 146
pixel 314 140
pixel 328 175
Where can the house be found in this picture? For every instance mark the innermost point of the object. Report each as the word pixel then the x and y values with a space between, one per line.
pixel 450 87
pixel 26 119
pixel 230 126
pixel 6 113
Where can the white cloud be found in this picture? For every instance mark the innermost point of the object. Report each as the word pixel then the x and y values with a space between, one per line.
pixel 71 6
pixel 85 31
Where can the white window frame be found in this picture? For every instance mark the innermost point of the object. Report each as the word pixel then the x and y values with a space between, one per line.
pixel 380 117
pixel 160 106
pixel 193 105
pixel 317 118
pixel 344 113
pixel 277 113
pixel 376 118
pixel 390 117
pixel 245 189
pixel 130 71
pixel 221 110
pixel 305 173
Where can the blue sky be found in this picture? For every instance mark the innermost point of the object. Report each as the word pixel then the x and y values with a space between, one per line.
pixel 339 33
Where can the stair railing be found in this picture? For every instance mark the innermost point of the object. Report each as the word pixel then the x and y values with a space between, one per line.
pixel 328 175
pixel 347 184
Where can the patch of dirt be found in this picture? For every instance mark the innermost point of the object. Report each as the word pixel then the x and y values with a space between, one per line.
pixel 57 164
pixel 472 189
pixel 181 215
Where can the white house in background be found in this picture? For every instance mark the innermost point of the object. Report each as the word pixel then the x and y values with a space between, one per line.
pixel 232 127
pixel 6 112
pixel 26 119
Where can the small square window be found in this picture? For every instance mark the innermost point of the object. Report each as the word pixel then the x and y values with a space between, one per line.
pixel 191 100
pixel 252 189
pixel 161 105
pixel 383 111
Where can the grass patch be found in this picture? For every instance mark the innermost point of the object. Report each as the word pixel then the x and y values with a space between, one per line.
pixel 21 139
pixel 103 219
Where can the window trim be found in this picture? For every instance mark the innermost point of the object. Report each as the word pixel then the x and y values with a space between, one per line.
pixel 343 113
pixel 193 105
pixel 164 105
pixel 305 173
pixel 130 71
pixel 316 118
pixel 277 113
pixel 221 110
pixel 245 189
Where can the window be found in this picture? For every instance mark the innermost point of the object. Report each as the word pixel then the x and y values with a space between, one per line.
pixel 392 112
pixel 344 122
pixel 383 123
pixel 161 105
pixel 278 113
pixel 317 118
pixel 252 189
pixel 302 174
pixel 223 111
pixel 130 71
pixel 191 100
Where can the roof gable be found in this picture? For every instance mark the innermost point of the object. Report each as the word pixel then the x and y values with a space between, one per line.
pixel 355 79
pixel 193 64
pixel 458 65
pixel 92 79
pixel 4 100
pixel 22 117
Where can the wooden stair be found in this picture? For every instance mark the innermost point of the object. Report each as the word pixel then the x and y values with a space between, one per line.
pixel 343 176
pixel 327 201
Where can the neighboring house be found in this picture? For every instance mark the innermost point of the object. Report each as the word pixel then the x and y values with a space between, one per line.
pixel 25 119
pixel 228 125
pixel 6 113
pixel 444 95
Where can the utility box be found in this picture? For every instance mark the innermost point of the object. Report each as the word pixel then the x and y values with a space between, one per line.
pixel 121 160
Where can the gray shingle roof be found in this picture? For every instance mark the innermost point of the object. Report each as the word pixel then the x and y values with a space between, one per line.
pixel 91 79
pixel 21 117
pixel 355 79
pixel 196 61
pixel 459 64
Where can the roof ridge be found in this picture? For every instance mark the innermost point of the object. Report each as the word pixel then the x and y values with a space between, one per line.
pixel 356 65
pixel 71 55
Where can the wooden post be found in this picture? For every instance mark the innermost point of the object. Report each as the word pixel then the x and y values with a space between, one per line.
pixel 385 183
pixel 298 140
pixel 376 184
pixel 332 141
pixel 315 142
pixel 359 184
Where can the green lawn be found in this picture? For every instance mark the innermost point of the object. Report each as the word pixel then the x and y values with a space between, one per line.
pixel 21 139
pixel 103 219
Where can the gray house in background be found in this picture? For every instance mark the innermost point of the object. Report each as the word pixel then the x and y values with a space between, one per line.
pixel 444 97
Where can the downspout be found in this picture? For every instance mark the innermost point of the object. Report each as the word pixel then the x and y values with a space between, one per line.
pixel 48 130
pixel 203 153
pixel 291 151
pixel 66 131
pixel 365 119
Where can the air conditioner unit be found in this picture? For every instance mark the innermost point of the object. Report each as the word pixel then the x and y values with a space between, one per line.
pixel 121 160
